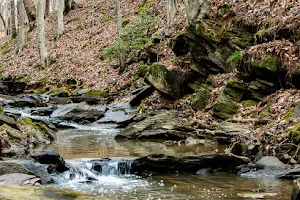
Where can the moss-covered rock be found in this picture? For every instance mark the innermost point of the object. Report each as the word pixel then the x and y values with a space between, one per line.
pixel 294 135
pixel 265 67
pixel 234 59
pixel 224 107
pixel 167 82
pixel 201 97
pixel 96 93
pixel 258 89
pixel 235 89
pixel 60 92
pixel 248 103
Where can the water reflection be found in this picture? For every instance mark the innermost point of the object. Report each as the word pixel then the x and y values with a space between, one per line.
pixel 88 144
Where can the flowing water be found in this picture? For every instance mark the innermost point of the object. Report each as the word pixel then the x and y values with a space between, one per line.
pixel 86 147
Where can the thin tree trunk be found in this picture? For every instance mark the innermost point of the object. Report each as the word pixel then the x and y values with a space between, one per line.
pixel 171 12
pixel 60 19
pixel 8 17
pixel 21 15
pixel 40 13
pixel 30 11
pixel 68 5
pixel 3 22
pixel 119 29
pixel 47 8
pixel 13 19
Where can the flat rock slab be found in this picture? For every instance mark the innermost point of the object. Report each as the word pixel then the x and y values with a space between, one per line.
pixel 163 125
pixel 8 167
pixel 160 163
pixel 19 179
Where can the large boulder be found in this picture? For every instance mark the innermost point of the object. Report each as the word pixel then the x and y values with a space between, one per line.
pixel 50 157
pixel 168 82
pixel 161 164
pixel 163 125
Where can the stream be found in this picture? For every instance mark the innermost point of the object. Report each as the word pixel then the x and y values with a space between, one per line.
pixel 101 166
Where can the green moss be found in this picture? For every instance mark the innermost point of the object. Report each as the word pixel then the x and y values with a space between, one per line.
pixel 61 92
pixel 266 61
pixel 234 59
pixel 289 113
pixel 235 89
pixel 36 126
pixel 248 103
pixel 145 5
pixel 199 29
pixel 125 22
pixel 261 32
pixel 96 93
pixel 294 135
pixel 141 71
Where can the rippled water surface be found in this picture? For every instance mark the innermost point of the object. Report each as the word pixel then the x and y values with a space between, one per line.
pixel 82 148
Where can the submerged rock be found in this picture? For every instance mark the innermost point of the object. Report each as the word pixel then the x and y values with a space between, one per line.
pixel 160 163
pixel 163 125
pixel 50 157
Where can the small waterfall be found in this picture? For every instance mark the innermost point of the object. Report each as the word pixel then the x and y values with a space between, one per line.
pixel 94 170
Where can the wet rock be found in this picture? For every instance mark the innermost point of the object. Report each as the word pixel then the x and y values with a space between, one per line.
pixel 27 101
pixel 39 170
pixel 3 88
pixel 163 125
pixel 290 174
pixel 19 179
pixel 79 113
pixel 46 111
pixel 12 166
pixel 296 190
pixel 270 162
pixel 14 87
pixel 118 117
pixel 50 157
pixel 142 94
pixel 168 82
pixel 160 163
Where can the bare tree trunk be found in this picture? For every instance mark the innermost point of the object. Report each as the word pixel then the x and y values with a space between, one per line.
pixel 3 22
pixel 8 17
pixel 47 8
pixel 171 12
pixel 119 29
pixel 13 19
pixel 21 15
pixel 30 11
pixel 68 5
pixel 60 17
pixel 40 13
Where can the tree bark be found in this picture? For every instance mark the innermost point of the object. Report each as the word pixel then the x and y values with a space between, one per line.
pixel 30 11
pixel 68 5
pixel 119 29
pixel 13 19
pixel 171 12
pixel 60 19
pixel 47 8
pixel 40 13
pixel 21 15
pixel 3 22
